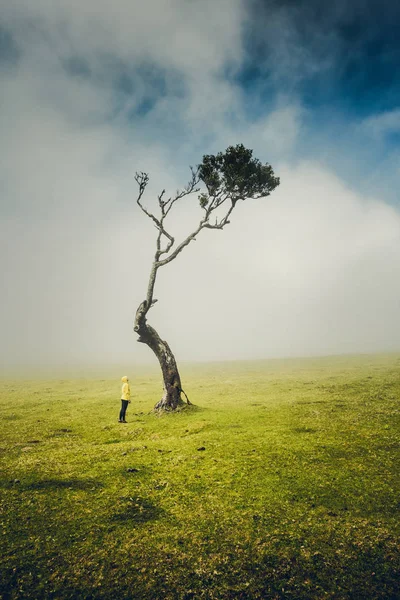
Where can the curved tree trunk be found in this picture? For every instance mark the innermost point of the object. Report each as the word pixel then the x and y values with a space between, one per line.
pixel 171 398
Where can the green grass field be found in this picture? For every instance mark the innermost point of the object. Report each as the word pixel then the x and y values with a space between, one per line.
pixel 282 482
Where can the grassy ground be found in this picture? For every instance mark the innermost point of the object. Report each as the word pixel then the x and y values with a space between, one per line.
pixel 281 483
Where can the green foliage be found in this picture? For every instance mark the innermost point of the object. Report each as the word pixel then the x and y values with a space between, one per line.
pixel 293 496
pixel 204 200
pixel 237 175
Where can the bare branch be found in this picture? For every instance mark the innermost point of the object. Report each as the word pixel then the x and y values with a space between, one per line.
pixel 166 205
pixel 215 199
pixel 161 202
pixel 142 179
pixel 162 231
pixel 204 224
pixel 181 246
pixel 169 245
pixel 190 188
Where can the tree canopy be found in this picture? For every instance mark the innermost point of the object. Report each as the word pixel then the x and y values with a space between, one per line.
pixel 236 175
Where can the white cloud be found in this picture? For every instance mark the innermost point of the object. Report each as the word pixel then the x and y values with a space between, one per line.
pixel 313 269
pixel 279 131
pixel 173 35
pixel 381 124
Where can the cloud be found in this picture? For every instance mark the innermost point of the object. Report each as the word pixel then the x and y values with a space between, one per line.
pixel 101 42
pixel 90 94
pixel 313 270
pixel 382 124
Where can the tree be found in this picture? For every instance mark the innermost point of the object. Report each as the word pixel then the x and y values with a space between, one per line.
pixel 219 182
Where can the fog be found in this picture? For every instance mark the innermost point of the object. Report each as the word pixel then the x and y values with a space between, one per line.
pixel 93 93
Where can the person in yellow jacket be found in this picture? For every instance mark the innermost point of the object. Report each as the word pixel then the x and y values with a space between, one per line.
pixel 125 398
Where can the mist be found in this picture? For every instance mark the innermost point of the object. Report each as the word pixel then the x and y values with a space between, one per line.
pixel 91 95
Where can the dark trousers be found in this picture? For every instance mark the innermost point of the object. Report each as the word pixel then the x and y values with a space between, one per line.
pixel 122 412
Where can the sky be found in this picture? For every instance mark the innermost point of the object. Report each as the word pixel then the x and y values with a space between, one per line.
pixel 93 91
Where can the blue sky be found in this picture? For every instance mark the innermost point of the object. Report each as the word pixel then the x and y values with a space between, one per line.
pixel 339 62
pixel 92 92
pixel 345 54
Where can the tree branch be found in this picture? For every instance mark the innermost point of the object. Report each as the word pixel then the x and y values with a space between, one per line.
pixel 181 246
pixel 228 177
pixel 190 188
pixel 204 224
pixel 142 179
pixel 162 231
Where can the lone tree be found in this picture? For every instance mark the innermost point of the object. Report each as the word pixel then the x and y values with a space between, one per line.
pixel 219 182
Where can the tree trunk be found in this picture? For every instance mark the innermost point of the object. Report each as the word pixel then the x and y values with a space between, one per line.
pixel 171 398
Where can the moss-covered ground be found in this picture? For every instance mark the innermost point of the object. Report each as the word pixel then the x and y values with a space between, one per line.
pixel 282 482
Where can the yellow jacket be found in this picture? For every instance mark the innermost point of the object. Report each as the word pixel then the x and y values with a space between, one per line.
pixel 126 390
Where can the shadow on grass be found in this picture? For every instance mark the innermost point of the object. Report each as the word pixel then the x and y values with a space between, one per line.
pixel 137 510
pixel 304 430
pixel 62 433
pixel 185 409
pixel 11 417
pixel 54 484
pixel 304 402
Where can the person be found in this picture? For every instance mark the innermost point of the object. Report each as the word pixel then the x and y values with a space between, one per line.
pixel 125 399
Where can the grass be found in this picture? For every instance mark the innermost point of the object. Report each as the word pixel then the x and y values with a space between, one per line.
pixel 282 482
